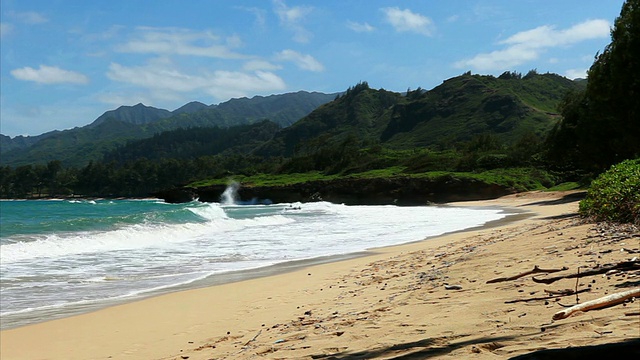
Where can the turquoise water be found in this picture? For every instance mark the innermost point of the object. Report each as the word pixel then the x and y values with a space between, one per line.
pixel 47 217
pixel 60 257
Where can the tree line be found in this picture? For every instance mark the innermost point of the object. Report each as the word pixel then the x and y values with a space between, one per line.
pixel 123 175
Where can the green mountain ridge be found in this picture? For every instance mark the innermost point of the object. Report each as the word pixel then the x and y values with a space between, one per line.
pixel 138 114
pixel 454 112
pixel 78 146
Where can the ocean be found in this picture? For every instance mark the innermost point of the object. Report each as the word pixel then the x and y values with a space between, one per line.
pixel 64 257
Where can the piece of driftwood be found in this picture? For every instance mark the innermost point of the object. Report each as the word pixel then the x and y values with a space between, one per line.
pixel 605 301
pixel 554 296
pixel 254 338
pixel 623 266
pixel 564 292
pixel 535 270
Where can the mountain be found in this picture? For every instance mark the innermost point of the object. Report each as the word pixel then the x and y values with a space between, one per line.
pixel 507 107
pixel 469 105
pixel 78 146
pixel 283 110
pixel 8 143
pixel 186 144
pixel 138 114
pixel 189 108
pixel 359 112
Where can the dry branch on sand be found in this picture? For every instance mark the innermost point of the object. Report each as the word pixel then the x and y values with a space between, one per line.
pixel 599 303
pixel 552 295
pixel 536 270
pixel 622 266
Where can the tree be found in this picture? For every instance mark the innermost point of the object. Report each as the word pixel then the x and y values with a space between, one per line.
pixel 24 180
pixel 601 125
pixel 614 88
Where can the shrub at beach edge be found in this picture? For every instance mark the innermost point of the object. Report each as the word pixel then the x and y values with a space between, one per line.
pixel 615 194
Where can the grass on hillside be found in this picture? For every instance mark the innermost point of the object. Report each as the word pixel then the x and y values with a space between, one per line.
pixel 519 179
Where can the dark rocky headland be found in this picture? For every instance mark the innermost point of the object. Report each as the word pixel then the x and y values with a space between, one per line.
pixel 377 191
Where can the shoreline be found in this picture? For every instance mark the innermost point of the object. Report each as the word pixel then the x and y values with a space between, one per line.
pixel 54 313
pixel 367 304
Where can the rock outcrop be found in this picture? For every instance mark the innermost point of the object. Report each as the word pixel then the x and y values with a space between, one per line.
pixel 378 191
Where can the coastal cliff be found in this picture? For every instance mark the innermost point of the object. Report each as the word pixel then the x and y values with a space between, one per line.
pixel 377 191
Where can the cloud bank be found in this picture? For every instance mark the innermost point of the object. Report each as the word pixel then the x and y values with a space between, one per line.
pixel 49 75
pixel 529 45
pixel 408 21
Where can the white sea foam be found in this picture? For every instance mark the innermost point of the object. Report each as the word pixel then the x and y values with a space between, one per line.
pixel 90 267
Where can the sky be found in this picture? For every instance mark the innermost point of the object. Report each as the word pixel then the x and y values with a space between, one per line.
pixel 63 63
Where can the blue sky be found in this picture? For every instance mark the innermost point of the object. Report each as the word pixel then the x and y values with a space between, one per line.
pixel 65 62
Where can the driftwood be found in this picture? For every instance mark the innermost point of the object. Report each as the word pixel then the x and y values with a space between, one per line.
pixel 535 270
pixel 599 303
pixel 564 292
pixel 552 295
pixel 254 338
pixel 624 266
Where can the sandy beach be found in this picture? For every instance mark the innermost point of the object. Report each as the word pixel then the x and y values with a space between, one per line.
pixel 428 299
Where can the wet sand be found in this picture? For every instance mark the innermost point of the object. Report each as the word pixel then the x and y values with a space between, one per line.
pixel 428 299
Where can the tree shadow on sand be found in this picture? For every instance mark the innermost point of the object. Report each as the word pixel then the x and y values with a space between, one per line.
pixel 629 349
pixel 569 198
pixel 421 349
pixel 428 348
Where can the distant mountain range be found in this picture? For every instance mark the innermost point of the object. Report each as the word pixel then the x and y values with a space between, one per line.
pixel 508 107
pixel 115 127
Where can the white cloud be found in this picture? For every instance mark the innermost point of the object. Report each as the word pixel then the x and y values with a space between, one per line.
pixel 258 13
pixel 158 74
pixel 29 17
pixel 530 44
pixel 163 81
pixel 500 59
pixel 233 84
pixel 305 62
pixel 253 65
pixel 292 17
pixel 547 36
pixel 358 27
pixel 576 74
pixel 175 41
pixel 408 21
pixel 234 41
pixel 5 29
pixel 113 32
pixel 49 75
pixel 119 99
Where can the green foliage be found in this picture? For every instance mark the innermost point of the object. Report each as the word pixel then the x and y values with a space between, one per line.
pixel 615 194
pixel 566 186
pixel 466 106
pixel 195 142
pixel 601 125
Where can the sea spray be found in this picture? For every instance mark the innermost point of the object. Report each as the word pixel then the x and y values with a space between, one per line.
pixel 230 194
